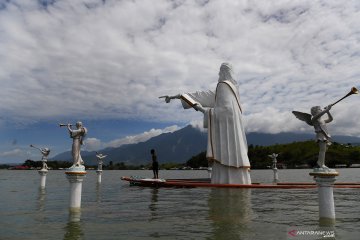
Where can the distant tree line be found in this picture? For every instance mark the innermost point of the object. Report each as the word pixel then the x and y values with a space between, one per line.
pixel 198 161
pixel 4 166
pixel 292 155
pixel 300 154
pixel 123 166
pixel 55 165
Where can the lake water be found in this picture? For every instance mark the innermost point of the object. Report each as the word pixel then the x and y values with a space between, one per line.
pixel 115 210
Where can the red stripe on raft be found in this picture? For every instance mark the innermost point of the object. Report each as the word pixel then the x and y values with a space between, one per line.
pixel 193 184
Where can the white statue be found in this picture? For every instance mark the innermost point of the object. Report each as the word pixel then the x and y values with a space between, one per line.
pixel 78 136
pixel 273 157
pixel 322 134
pixel 227 146
pixel 45 153
pixel 274 167
pixel 100 156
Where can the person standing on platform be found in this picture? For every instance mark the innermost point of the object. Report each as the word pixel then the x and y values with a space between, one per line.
pixel 155 164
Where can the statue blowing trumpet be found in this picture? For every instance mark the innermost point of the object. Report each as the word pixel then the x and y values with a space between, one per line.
pixel 352 91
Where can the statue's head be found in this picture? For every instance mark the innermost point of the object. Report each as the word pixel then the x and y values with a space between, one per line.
pixel 314 110
pixel 226 72
pixel 79 124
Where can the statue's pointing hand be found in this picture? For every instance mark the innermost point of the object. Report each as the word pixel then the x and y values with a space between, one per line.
pixel 199 107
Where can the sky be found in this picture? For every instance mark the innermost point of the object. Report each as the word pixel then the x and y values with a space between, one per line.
pixel 106 62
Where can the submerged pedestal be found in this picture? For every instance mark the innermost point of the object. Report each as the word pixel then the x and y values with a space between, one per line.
pixel 276 176
pixel 325 182
pixel 43 173
pixel 75 175
pixel 99 172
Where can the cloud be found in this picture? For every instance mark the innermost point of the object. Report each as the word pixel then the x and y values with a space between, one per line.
pixel 198 124
pixel 140 137
pixel 92 144
pixel 112 59
pixel 272 120
pixel 15 153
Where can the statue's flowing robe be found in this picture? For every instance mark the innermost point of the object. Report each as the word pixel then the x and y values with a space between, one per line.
pixel 227 145
pixel 77 136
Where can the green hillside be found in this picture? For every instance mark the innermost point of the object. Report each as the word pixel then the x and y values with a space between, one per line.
pixel 295 155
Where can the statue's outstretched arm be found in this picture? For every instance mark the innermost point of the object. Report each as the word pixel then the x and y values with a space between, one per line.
pixel 168 98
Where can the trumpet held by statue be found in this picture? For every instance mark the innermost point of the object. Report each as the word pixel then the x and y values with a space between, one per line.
pixel 353 90
pixel 64 125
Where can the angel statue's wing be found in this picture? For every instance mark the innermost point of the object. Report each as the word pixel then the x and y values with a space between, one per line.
pixel 303 117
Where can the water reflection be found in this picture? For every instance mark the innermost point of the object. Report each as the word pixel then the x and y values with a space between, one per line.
pixel 153 204
pixel 231 213
pixel 41 199
pixel 73 230
pixel 327 222
pixel 98 192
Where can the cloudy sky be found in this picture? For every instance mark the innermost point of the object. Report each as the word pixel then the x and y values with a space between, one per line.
pixel 106 62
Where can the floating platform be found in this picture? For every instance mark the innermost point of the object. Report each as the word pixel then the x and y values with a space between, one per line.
pixel 193 183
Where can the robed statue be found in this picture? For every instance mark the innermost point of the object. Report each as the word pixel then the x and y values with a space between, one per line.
pixel 227 148
pixel 77 134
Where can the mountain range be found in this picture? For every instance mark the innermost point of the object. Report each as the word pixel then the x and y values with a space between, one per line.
pixel 181 145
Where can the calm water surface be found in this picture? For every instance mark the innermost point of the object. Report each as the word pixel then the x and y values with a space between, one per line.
pixel 114 210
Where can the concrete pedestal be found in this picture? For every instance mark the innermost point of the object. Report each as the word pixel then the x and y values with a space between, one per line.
pixel 276 176
pixel 325 182
pixel 209 170
pixel 99 172
pixel 43 173
pixel 75 179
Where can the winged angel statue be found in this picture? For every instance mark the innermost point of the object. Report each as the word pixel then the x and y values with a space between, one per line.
pixel 322 135
pixel 315 119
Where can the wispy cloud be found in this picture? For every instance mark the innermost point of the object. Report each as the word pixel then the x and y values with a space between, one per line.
pixel 17 152
pixel 92 144
pixel 112 59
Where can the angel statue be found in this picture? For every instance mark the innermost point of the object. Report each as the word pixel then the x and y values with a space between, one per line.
pixel 273 157
pixel 100 156
pixel 274 168
pixel 45 153
pixel 322 135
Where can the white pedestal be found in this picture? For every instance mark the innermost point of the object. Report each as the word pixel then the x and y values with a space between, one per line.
pixel 99 172
pixel 325 182
pixel 276 176
pixel 209 171
pixel 43 173
pixel 75 179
